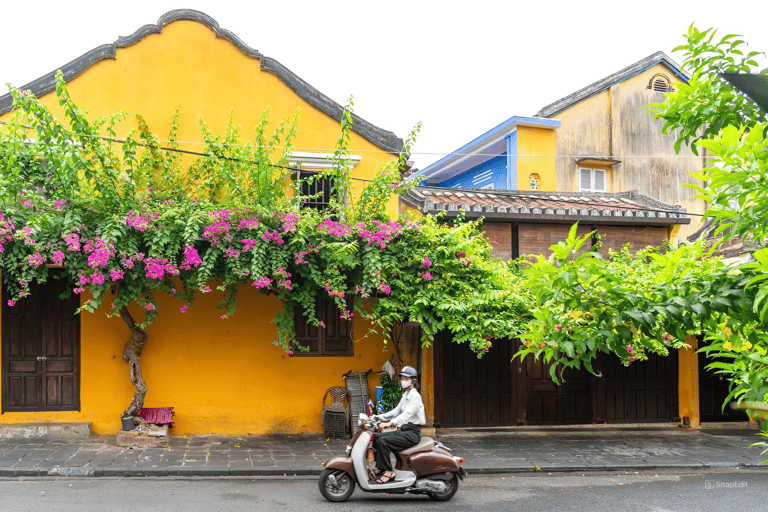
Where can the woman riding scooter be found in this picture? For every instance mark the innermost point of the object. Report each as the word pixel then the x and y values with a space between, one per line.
pixel 409 417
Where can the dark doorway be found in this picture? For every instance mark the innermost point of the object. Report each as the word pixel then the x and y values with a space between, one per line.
pixel 713 390
pixel 41 350
pixel 474 392
pixel 643 391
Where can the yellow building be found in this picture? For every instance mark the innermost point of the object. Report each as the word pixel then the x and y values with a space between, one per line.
pixel 221 376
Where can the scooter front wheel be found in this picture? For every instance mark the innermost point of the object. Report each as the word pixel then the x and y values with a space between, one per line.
pixel 450 489
pixel 336 485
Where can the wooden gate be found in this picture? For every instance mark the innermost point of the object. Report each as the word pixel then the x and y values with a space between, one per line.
pixel 643 391
pixel 549 403
pixel 41 351
pixel 474 392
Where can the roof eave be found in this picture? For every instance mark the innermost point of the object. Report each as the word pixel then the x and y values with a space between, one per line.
pixel 383 139
pixel 604 83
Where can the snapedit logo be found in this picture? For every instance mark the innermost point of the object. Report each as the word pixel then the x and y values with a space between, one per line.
pixel 718 484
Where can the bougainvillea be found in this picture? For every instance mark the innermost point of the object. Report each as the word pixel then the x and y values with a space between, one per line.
pixel 124 215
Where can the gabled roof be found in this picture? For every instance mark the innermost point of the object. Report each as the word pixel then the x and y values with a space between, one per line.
pixel 478 150
pixel 628 208
pixel 619 76
pixel 384 139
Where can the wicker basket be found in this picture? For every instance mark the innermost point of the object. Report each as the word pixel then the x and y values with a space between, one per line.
pixel 335 424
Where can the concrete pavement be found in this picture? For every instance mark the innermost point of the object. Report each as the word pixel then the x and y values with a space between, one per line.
pixel 484 451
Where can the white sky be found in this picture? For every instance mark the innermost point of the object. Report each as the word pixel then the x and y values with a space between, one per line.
pixel 459 67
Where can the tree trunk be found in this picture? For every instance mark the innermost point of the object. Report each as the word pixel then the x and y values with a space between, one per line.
pixel 131 355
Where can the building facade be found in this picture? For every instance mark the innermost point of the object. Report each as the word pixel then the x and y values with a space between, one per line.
pixel 221 376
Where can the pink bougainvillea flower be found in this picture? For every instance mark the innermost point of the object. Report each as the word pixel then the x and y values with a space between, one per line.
pixel 36 259
pixel 116 274
pixel 150 307
pixel 191 258
pixel 183 308
pixel 248 244
pixel 11 303
pixel 97 279
pixel 384 287
pixel 262 282
pixel 427 276
pixel 58 258
pixel 248 224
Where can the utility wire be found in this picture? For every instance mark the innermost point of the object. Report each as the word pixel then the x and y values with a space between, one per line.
pixel 431 153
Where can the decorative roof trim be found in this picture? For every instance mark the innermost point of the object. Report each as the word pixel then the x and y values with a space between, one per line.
pixel 384 139
pixel 619 76
pixel 631 208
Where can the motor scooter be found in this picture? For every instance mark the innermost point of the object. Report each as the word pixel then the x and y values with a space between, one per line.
pixel 427 468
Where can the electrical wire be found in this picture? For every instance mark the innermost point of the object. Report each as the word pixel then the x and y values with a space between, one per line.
pixel 430 153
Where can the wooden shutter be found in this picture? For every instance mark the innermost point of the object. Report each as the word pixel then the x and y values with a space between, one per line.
pixel 585 180
pixel 599 180
pixel 307 335
pixel 333 340
pixel 337 335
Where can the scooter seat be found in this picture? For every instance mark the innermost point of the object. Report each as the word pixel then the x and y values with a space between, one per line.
pixel 424 445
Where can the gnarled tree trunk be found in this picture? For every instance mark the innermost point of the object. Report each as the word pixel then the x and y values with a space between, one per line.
pixel 131 355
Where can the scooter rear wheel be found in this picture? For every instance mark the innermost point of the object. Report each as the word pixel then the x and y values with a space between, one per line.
pixel 341 490
pixel 451 487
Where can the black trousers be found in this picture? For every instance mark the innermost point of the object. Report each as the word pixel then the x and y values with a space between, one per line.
pixel 388 442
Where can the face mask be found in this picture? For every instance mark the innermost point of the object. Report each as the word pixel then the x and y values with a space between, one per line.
pixel 405 384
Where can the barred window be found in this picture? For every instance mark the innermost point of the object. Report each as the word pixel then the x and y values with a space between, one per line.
pixel 314 191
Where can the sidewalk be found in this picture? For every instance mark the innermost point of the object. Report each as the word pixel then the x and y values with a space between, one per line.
pixel 484 451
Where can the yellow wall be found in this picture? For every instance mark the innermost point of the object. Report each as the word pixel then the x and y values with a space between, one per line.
pixel 186 65
pixel 221 376
pixel 536 150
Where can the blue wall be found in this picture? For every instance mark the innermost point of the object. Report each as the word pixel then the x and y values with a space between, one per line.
pixel 491 171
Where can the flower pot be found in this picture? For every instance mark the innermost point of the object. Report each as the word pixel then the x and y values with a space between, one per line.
pixel 129 423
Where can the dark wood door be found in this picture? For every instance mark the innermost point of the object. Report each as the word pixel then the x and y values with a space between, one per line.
pixel 713 390
pixel 548 403
pixel 476 392
pixel 41 351
pixel 643 391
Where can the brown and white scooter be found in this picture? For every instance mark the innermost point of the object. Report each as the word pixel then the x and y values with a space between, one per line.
pixel 427 468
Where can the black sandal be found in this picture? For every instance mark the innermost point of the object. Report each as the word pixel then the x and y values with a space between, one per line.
pixel 389 477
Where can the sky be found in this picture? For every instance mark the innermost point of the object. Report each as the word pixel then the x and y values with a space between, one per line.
pixel 460 68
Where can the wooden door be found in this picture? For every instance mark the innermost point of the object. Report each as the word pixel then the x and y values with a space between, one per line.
pixel 713 390
pixel 476 392
pixel 548 403
pixel 643 391
pixel 41 351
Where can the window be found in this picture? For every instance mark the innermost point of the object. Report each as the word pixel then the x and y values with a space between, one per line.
pixel 534 181
pixel 660 83
pixel 489 186
pixel 593 180
pixel 314 191
pixel 333 340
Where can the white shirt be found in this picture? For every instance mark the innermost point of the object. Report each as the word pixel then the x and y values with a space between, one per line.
pixel 409 410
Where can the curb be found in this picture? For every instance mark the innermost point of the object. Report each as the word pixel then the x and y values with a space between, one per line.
pixel 181 471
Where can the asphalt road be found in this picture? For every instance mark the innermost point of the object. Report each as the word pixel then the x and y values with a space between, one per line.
pixel 731 490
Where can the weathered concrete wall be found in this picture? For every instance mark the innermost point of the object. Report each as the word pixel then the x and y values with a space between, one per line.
pixel 615 123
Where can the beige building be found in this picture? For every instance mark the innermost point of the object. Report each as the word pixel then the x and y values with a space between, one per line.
pixel 609 141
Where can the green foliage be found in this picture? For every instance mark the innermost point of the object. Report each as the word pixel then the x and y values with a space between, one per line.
pixel 128 219
pixel 700 109
pixel 390 392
